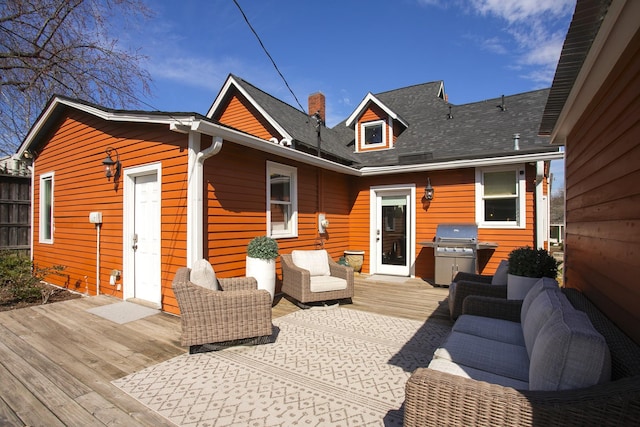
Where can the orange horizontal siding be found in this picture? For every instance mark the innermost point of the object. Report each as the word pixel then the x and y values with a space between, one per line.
pixel 74 153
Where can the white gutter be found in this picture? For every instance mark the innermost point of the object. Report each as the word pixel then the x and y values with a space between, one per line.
pixel 461 164
pixel 195 189
pixel 542 220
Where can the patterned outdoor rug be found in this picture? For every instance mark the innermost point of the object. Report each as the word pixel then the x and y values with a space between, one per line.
pixel 331 366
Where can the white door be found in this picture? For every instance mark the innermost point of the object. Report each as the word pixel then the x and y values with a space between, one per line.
pixel 393 229
pixel 145 238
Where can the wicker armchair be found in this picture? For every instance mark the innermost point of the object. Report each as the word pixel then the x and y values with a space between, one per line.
pixel 465 284
pixel 239 314
pixel 296 281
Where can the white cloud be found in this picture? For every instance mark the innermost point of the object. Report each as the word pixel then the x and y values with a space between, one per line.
pixel 192 71
pixel 522 10
pixel 533 25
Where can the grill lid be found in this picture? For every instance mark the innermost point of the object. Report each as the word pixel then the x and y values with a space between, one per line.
pixel 457 233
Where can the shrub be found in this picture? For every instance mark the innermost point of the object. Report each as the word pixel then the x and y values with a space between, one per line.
pixel 529 262
pixel 263 247
pixel 20 277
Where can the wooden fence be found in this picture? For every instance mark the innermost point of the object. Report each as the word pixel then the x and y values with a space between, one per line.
pixel 15 212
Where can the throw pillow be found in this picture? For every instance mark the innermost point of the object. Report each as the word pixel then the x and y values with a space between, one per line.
pixel 569 353
pixel 202 274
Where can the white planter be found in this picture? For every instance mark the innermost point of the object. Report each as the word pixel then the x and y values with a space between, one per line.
pixel 264 271
pixel 518 286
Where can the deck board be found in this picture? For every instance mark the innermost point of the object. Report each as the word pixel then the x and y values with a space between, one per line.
pixel 57 361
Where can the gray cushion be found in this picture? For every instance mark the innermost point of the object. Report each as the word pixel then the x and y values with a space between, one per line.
pixel 327 283
pixel 543 306
pixel 449 367
pixel 569 353
pixel 504 359
pixel 541 285
pixel 493 329
pixel 314 261
pixel 202 274
pixel 500 276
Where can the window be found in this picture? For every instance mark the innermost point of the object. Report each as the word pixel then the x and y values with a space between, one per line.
pixel 46 208
pixel 282 200
pixel 500 201
pixel 373 133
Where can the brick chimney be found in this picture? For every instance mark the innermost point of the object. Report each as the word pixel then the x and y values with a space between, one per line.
pixel 317 105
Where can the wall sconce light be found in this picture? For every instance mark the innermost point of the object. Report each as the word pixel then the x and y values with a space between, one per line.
pixel 112 168
pixel 428 190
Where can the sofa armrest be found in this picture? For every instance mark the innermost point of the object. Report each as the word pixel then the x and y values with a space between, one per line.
pixel 434 398
pixel 466 288
pixel 472 277
pixel 238 283
pixel 498 308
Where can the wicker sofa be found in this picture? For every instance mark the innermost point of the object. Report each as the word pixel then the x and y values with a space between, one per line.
pixel 212 319
pixel 312 276
pixel 436 398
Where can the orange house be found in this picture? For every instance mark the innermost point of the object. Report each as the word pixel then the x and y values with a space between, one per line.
pixel 183 186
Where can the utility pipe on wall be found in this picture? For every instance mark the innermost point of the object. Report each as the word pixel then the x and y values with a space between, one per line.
pixel 195 188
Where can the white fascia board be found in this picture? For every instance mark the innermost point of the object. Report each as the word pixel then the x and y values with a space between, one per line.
pixel 227 86
pixel 371 98
pixel 616 31
pixel 462 164
pixel 119 116
pixel 241 138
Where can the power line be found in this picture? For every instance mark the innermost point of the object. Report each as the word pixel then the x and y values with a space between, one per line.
pixel 269 56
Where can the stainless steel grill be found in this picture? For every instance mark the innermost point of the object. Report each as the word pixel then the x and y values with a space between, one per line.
pixel 455 249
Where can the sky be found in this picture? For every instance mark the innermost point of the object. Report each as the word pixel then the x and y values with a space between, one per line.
pixel 345 49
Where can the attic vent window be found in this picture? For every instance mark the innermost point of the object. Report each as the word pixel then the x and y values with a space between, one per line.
pixel 373 133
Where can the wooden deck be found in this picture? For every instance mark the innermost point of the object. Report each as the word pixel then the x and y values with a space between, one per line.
pixel 57 361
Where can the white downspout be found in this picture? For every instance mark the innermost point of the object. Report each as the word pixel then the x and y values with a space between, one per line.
pixel 542 219
pixel 195 188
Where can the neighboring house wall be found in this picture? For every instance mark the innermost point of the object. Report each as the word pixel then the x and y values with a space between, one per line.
pixel 602 196
pixel 73 158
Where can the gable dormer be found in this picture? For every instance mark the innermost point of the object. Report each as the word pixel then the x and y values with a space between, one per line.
pixel 236 107
pixel 375 125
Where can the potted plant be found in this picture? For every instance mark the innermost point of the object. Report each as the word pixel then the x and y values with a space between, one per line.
pixel 526 267
pixel 262 252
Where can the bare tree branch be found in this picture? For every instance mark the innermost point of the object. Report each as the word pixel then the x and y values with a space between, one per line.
pixel 64 47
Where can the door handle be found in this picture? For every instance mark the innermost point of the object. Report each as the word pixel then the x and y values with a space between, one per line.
pixel 135 241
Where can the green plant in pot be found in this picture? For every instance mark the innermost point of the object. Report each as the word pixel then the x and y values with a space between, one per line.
pixel 262 252
pixel 526 266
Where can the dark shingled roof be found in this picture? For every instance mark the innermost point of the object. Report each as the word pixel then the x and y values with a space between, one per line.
pixel 477 130
pixel 587 18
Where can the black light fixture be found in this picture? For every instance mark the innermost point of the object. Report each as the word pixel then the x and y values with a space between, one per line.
pixel 112 168
pixel 428 190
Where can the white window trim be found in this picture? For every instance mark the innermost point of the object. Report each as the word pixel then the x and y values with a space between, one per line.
pixel 521 188
pixel 292 172
pixel 43 177
pixel 364 125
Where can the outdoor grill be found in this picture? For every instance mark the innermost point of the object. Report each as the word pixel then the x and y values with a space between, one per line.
pixel 455 249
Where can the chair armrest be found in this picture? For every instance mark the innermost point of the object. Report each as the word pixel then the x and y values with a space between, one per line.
pixel 434 398
pixel 498 308
pixel 472 277
pixel 238 283
pixel 465 288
